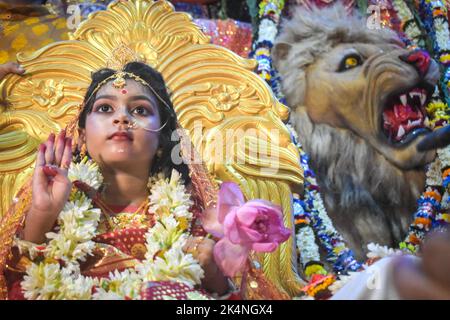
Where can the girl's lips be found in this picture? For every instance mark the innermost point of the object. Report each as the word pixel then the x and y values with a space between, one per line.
pixel 120 137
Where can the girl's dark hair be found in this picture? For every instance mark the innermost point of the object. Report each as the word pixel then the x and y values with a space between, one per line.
pixel 167 113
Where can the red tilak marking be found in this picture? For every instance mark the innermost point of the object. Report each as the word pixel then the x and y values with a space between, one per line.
pixel 124 91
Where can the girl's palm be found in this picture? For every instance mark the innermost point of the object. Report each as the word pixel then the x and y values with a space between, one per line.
pixel 51 186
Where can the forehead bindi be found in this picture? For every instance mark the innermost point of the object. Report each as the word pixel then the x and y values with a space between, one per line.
pixel 129 91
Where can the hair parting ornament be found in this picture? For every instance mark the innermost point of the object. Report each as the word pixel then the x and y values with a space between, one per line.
pixel 119 82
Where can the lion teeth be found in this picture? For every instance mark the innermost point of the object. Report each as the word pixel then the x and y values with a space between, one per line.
pixel 414 94
pixel 423 98
pixel 403 99
pixel 417 122
pixel 401 132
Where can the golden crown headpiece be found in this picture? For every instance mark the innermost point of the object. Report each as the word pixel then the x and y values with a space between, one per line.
pixel 120 56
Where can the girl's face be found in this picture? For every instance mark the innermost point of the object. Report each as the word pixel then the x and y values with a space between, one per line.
pixel 109 140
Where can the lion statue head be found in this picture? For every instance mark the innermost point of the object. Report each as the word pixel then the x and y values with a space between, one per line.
pixel 358 98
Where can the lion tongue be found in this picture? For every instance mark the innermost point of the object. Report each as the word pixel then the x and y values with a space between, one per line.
pixel 396 120
pixel 402 112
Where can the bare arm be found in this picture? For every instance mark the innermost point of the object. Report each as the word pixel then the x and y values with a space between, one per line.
pixel 10 67
pixel 50 187
pixel 202 250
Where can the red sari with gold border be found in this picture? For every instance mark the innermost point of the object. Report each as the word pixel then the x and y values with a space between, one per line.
pixel 119 246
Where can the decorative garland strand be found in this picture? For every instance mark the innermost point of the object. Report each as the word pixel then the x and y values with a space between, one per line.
pixel 408 25
pixel 435 23
pixel 269 19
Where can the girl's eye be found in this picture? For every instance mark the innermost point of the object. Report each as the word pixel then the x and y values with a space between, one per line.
pixel 141 111
pixel 104 108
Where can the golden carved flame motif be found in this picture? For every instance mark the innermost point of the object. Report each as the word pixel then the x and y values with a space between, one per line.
pixel 210 86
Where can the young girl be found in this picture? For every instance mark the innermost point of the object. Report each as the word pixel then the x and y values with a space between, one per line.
pixel 126 128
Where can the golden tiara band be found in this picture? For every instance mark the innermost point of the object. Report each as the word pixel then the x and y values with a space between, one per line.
pixel 120 82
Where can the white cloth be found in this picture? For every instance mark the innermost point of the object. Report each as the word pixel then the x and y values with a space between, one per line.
pixel 374 283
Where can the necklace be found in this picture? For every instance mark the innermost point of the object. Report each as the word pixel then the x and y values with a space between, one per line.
pixel 117 222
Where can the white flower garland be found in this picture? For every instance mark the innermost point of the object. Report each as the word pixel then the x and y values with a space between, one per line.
pixel 442 34
pixel 433 174
pixel 444 159
pixel 267 31
pixel 379 251
pixel 305 237
pixel 77 226
pixel 306 243
pixel 405 15
pixel 445 202
pixel 320 207
pixel 444 156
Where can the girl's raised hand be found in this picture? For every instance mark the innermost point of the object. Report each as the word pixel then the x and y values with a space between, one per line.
pixel 50 186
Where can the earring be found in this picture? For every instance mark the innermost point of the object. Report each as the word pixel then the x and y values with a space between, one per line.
pixel 159 153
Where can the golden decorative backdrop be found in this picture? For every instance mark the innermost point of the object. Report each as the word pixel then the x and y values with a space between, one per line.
pixel 210 85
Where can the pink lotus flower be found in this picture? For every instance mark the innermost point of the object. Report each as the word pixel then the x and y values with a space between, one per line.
pixel 242 226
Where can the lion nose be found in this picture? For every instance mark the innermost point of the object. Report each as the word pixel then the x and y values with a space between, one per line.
pixel 420 59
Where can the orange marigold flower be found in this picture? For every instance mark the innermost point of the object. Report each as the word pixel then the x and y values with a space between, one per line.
pixel 423 221
pixel 413 239
pixel 445 173
pixel 432 194
pixel 300 221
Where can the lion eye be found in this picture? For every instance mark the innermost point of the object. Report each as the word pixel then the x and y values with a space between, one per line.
pixel 350 62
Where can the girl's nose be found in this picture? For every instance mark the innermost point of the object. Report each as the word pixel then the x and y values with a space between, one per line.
pixel 122 117
pixel 122 120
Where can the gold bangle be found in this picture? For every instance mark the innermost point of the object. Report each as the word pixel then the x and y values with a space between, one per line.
pixel 198 241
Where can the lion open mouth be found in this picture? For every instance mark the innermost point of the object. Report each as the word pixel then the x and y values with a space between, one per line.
pixel 404 115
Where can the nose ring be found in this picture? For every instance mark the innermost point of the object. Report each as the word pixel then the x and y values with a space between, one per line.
pixel 132 125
